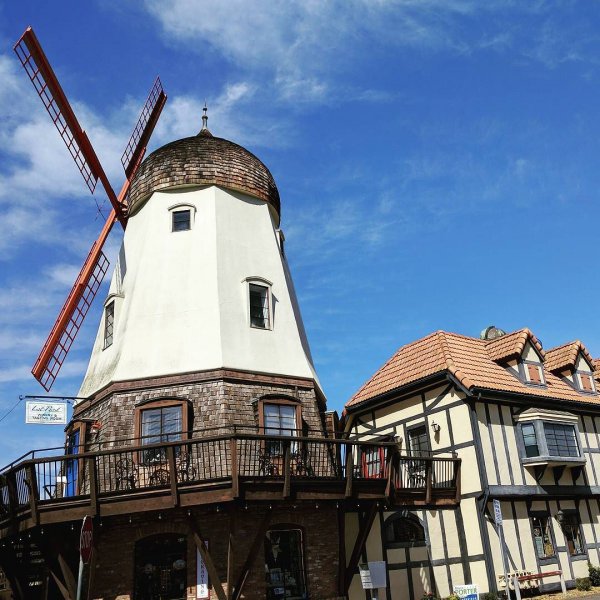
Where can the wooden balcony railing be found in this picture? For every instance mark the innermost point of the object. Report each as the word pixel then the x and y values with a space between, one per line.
pixel 247 466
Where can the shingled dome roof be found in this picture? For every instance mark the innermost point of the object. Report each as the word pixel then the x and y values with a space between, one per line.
pixel 203 160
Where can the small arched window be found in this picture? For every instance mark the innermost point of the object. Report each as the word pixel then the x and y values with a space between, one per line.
pixel 404 530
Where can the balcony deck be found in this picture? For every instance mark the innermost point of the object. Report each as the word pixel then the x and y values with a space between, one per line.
pixel 235 467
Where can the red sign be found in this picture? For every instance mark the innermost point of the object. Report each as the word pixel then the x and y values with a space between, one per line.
pixel 86 539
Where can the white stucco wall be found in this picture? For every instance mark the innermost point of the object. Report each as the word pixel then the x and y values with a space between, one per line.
pixel 183 296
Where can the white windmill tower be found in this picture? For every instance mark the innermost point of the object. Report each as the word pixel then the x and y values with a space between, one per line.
pixel 201 295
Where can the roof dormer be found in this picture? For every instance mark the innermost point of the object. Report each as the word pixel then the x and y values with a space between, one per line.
pixel 573 363
pixel 521 353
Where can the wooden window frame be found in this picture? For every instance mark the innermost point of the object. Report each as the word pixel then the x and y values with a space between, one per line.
pixel 80 426
pixel 582 376
pixel 528 365
pixel 303 542
pixel 365 450
pixel 160 403
pixel 414 519
pixel 107 306
pixel 281 401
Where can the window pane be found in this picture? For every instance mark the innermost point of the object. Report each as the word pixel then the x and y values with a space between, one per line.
pixel 181 220
pixel 418 441
pixel 561 439
pixel 284 565
pixel 530 440
pixel 279 419
pixel 259 306
pixel 160 425
pixel 109 322
pixel 542 538
pixel 405 530
pixel 572 531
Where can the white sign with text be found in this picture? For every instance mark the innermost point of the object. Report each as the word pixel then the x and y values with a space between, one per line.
pixel 46 413
pixel 202 591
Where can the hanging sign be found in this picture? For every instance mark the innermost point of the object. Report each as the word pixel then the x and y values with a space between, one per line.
pixel 467 592
pixel 45 412
pixel 202 588
pixel 497 512
pixel 373 575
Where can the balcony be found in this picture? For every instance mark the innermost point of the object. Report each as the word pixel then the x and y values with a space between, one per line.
pixel 213 469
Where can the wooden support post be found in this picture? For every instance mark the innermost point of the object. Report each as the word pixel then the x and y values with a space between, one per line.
pixel 389 488
pixel 208 561
pixel 33 492
pixel 230 553
pixel 61 586
pixel 349 470
pixel 341 551
pixel 428 481
pixel 235 476
pixel 359 545
pixel 259 539
pixel 93 485
pixel 457 466
pixel 172 474
pixel 287 470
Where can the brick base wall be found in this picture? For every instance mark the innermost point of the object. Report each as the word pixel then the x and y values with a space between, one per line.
pixel 113 564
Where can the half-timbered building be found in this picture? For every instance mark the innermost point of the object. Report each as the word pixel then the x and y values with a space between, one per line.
pixel 525 423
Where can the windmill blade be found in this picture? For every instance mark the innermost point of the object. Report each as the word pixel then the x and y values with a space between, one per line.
pixel 77 304
pixel 73 312
pixel 37 67
pixel 143 129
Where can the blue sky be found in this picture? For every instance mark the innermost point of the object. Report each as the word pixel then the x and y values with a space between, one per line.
pixel 437 162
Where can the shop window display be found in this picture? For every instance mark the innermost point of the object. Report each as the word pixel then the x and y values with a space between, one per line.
pixel 284 565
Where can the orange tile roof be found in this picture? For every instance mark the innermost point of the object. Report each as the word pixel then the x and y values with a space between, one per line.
pixel 565 356
pixel 511 345
pixel 472 361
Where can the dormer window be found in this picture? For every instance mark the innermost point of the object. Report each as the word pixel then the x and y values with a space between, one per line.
pixel 584 376
pixel 533 373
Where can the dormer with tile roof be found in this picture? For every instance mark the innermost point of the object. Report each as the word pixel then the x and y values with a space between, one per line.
pixel 574 364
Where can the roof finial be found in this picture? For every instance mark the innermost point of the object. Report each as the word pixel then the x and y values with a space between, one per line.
pixel 204 130
pixel 205 117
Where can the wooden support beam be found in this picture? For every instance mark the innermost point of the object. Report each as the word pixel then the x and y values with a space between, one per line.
pixel 349 470
pixel 33 493
pixel 172 474
pixel 208 561
pixel 428 481
pixel 341 551
pixel 62 588
pixel 230 553
pixel 457 466
pixel 235 475
pixel 287 471
pixel 361 538
pixel 93 485
pixel 252 554
pixel 68 576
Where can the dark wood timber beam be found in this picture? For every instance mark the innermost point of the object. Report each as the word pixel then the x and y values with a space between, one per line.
pixel 252 554
pixel 361 538
pixel 341 551
pixel 208 561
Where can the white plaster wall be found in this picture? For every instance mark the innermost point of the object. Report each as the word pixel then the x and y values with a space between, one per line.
pixel 184 305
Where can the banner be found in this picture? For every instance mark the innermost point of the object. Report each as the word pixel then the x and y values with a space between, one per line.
pixel 46 413
pixel 202 591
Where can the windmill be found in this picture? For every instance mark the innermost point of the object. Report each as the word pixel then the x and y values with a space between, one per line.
pixel 79 300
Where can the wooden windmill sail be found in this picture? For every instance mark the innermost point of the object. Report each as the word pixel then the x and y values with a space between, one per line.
pixel 92 273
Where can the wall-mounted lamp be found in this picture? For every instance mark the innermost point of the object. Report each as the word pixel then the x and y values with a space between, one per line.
pixel 95 427
pixel 436 427
pixel 560 517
